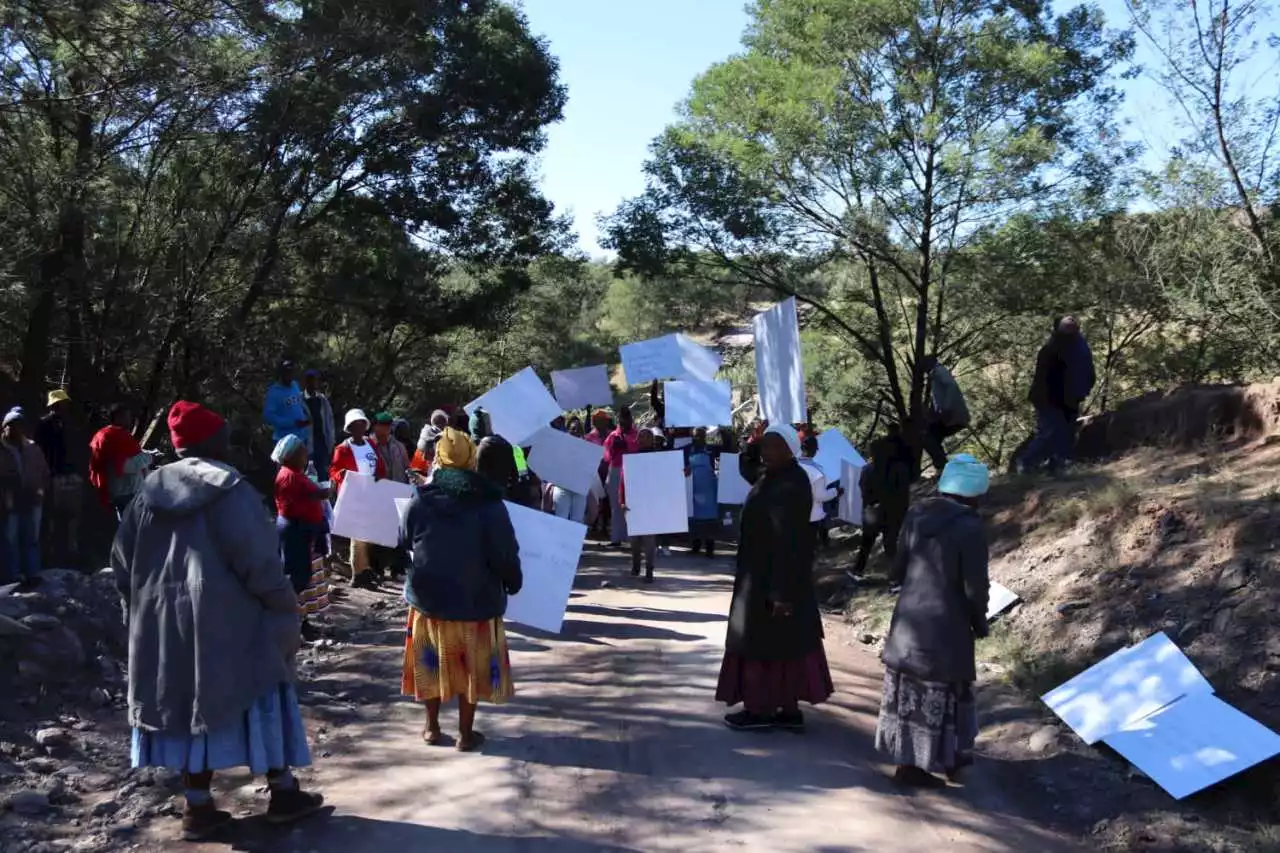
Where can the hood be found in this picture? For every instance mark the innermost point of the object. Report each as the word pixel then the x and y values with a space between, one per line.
pixel 188 485
pixel 937 514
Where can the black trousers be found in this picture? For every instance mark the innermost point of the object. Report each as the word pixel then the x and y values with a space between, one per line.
pixel 937 433
pixel 885 526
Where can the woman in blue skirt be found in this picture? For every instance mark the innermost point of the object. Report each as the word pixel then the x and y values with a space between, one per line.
pixel 213 628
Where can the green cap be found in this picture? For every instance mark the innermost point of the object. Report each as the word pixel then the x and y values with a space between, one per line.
pixel 383 418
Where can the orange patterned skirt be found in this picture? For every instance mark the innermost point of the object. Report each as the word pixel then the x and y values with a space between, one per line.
pixel 444 659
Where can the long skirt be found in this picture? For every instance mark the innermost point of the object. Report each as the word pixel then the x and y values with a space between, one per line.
pixel 444 659
pixel 927 724
pixel 764 686
pixel 269 736
pixel 617 518
pixel 314 598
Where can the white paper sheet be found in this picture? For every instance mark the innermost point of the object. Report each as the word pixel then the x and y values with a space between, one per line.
pixel 402 508
pixel 550 548
pixel 655 493
pixel 850 510
pixel 668 357
pixel 582 387
pixel 694 403
pixel 1125 687
pixel 518 407
pixel 569 462
pixel 366 510
pixel 833 450
pixel 733 489
pixel 779 364
pixel 999 599
pixel 698 363
pixel 1195 742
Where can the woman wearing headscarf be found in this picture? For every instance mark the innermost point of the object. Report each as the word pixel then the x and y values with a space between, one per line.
pixel 213 628
pixel 117 463
pixel 928 720
pixel 464 564
pixel 773 656
pixel 304 528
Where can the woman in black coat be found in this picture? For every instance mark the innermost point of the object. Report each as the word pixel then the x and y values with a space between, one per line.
pixel 773 652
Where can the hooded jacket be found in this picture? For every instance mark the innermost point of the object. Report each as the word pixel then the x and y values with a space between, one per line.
pixel 942 564
pixel 465 560
pixel 212 618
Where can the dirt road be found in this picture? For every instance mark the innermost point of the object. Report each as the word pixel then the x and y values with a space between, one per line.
pixel 614 743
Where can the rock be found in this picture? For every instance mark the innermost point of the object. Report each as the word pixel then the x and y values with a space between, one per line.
pixel 55 741
pixel 28 802
pixel 42 766
pixel 41 622
pixel 58 650
pixel 1068 607
pixel 105 808
pixel 867 639
pixel 1043 739
pixel 1222 620
pixel 1233 578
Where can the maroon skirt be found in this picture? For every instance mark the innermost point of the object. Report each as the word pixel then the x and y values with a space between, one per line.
pixel 764 686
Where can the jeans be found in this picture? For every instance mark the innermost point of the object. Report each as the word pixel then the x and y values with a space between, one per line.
pixel 570 505
pixel 1054 440
pixel 22 542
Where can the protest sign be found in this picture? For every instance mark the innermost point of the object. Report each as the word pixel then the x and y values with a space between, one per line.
pixel 733 489
pixel 668 357
pixel 550 548
pixel 366 509
pixel 655 493
pixel 999 599
pixel 850 507
pixel 698 363
pixel 779 365
pixel 694 403
pixel 518 407
pixel 570 462
pixel 833 450
pixel 582 387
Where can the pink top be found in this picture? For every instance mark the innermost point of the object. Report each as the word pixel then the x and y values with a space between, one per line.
pixel 595 437
pixel 630 442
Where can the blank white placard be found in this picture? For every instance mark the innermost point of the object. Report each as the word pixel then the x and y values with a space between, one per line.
pixel 1125 687
pixel 518 407
pixel 850 508
pixel 582 387
pixel 695 403
pixel 999 599
pixel 1194 743
pixel 550 548
pixel 779 364
pixel 697 363
pixel 733 490
pixel 366 510
pixel 571 463
pixel 833 450
pixel 655 493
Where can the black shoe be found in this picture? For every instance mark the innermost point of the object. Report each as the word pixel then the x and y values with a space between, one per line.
pixel 310 633
pixel 746 721
pixel 792 721
pixel 635 571
pixel 364 580
pixel 648 577
pixel 199 822
pixel 294 805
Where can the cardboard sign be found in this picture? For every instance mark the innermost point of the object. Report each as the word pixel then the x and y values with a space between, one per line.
pixel 999 599
pixel 582 387
pixel 779 364
pixel 366 509
pixel 850 509
pixel 833 451
pixel 571 463
pixel 733 490
pixel 518 407
pixel 655 493
pixel 694 403
pixel 550 549
pixel 668 357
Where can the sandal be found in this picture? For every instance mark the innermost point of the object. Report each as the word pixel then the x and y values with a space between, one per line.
pixel 471 744
pixel 433 738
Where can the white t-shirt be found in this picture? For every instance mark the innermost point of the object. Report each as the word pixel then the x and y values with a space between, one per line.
pixel 366 456
pixel 818 482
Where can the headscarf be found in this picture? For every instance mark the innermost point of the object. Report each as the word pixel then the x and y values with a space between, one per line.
pixel 14 414
pixel 455 450
pixel 192 426
pixel 109 450
pixel 788 434
pixel 285 448
pixel 964 477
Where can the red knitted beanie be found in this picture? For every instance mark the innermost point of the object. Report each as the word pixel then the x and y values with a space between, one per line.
pixel 191 424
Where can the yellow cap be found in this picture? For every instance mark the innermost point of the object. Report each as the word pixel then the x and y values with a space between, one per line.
pixel 56 397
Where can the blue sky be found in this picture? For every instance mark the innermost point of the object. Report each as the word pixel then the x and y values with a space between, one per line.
pixel 629 63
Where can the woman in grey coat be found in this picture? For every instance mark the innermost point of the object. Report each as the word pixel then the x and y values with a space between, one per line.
pixel 213 628
pixel 928 722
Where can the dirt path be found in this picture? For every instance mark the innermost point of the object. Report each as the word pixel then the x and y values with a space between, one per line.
pixel 614 743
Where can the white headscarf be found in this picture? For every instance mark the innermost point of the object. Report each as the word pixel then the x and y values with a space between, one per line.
pixel 788 434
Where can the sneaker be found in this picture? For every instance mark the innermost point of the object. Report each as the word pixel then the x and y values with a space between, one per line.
pixel 294 805
pixel 199 822
pixel 792 721
pixel 746 721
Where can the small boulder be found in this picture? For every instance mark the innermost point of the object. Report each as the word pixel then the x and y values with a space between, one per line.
pixel 55 741
pixel 1066 608
pixel 43 766
pixel 106 808
pixel 28 802
pixel 1043 739
pixel 1234 577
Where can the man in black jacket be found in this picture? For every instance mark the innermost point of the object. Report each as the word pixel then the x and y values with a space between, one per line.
pixel 1063 381
pixel 886 494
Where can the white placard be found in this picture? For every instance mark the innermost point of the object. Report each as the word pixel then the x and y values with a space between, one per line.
pixel 657 358
pixel 582 387
pixel 571 463
pixel 999 599
pixel 518 407
pixel 402 508
pixel 694 403
pixel 1194 743
pixel 688 496
pixel 699 363
pixel 1125 687
pixel 550 548
pixel 850 510
pixel 655 493
pixel 779 364
pixel 366 510
pixel 833 451
pixel 733 490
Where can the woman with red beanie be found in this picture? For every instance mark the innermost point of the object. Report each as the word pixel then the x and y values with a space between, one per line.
pixel 213 628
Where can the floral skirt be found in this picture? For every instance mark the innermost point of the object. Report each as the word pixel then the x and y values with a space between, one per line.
pixel 269 736
pixel 764 686
pixel 444 659
pixel 927 724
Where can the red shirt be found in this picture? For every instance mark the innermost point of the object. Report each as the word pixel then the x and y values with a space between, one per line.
pixel 620 443
pixel 297 498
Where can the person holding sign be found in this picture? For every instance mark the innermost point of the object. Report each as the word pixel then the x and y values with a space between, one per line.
pixel 700 463
pixel 773 656
pixel 645 547
pixel 465 563
pixel 358 454
pixel 928 718
pixel 623 440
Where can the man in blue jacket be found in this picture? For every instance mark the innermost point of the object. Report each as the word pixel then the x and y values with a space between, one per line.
pixel 284 409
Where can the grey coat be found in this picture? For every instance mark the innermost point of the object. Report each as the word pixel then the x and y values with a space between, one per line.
pixel 212 617
pixel 942 564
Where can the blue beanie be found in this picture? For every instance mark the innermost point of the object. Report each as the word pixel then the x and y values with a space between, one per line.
pixel 964 477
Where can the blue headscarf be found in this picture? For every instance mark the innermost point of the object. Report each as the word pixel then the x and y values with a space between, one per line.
pixel 964 477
